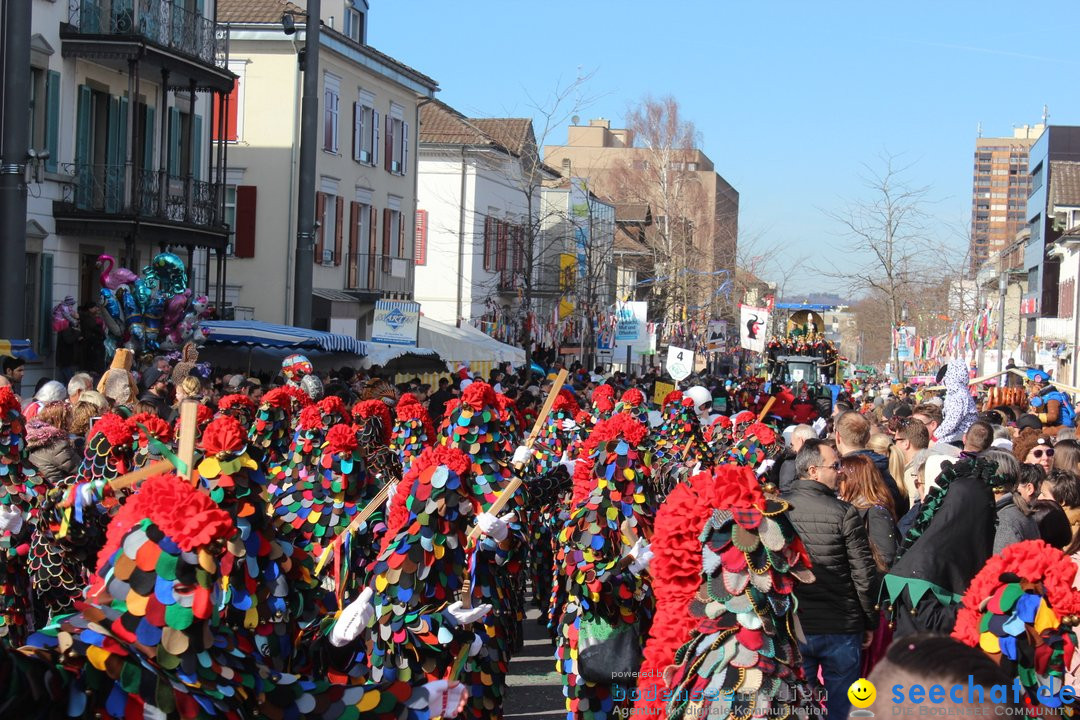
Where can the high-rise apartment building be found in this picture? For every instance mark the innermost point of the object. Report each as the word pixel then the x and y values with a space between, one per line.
pixel 1000 190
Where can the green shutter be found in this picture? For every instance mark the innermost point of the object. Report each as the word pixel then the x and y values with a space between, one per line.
pixel 196 151
pixel 148 140
pixel 84 190
pixel 174 142
pixel 82 126
pixel 45 289
pixel 52 119
pixel 116 153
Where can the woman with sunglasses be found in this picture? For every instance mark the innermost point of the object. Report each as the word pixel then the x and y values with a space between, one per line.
pixel 1033 447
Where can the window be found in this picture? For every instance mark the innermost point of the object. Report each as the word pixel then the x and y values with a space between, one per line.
pixel 354 24
pixel 1036 178
pixel 230 218
pixel 329 212
pixel 331 95
pixel 396 141
pixel 420 241
pixel 45 114
pixel 365 129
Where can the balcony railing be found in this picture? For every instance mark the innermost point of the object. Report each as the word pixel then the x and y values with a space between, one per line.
pixel 509 281
pixel 380 273
pixel 154 194
pixel 167 23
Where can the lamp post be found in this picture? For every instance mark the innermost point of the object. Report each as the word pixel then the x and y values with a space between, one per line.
pixel 309 137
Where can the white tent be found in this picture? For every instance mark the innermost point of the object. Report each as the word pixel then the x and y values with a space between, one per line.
pixel 466 344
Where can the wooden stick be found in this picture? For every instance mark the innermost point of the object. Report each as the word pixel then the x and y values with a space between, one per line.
pixel 374 504
pixel 132 478
pixel 186 453
pixel 765 410
pixel 515 482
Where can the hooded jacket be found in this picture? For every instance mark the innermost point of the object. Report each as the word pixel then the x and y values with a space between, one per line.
pixel 50 451
pixel 958 412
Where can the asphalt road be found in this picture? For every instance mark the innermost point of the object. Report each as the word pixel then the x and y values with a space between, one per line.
pixel 534 689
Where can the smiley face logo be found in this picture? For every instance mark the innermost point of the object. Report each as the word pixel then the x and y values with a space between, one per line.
pixel 862 693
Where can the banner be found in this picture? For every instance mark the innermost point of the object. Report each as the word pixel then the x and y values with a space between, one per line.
pixel 632 329
pixel 753 322
pixel 397 322
pixel 717 335
pixel 905 343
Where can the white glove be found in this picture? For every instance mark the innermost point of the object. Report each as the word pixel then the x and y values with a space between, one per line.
pixel 475 645
pixel 353 619
pixel 570 425
pixel 440 697
pixel 467 616
pixel 567 463
pixel 391 492
pixel 522 456
pixel 641 555
pixel 495 527
pixel 87 494
pixel 11 519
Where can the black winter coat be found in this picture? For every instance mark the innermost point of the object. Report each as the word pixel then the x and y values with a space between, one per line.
pixel 841 599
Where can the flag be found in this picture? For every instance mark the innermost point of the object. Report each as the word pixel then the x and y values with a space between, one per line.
pixel 753 322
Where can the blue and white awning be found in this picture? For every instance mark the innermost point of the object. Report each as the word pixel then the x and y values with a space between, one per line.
pixel 260 334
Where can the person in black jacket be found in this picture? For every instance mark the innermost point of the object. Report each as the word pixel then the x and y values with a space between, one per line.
pixel 837 610
pixel 852 434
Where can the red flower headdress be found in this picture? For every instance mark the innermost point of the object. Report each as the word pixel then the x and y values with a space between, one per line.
pixel 764 433
pixel 479 395
pixel 618 426
pixel 237 400
pixel 340 440
pixel 117 431
pixel 223 436
pixel 150 423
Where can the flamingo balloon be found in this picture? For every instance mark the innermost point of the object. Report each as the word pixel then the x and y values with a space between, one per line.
pixel 113 277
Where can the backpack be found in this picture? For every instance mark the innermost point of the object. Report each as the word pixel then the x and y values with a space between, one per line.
pixel 1068 412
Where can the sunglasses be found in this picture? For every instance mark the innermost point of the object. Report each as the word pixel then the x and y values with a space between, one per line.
pixel 1038 452
pixel 835 466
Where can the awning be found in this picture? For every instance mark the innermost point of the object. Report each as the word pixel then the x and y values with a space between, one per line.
pixel 466 344
pixel 286 338
pixel 260 334
pixel 20 349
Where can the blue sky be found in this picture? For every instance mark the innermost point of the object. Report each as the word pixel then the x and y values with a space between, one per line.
pixel 791 98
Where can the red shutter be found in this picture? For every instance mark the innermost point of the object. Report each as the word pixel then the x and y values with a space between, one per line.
pixel 339 228
pixel 245 221
pixel 420 244
pixel 231 111
pixel 500 250
pixel 320 217
pixel 388 149
pixel 386 232
pixel 373 244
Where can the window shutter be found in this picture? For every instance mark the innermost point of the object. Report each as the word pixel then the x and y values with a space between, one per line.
pixel 320 217
pixel 245 221
pixel 357 130
pixel 420 242
pixel 354 229
pixel 196 152
pixel 44 304
pixel 231 113
pixel 516 243
pixel 504 232
pixel 373 233
pixel 404 148
pixel 386 232
pixel 388 150
pixel 339 229
pixel 148 140
pixel 82 130
pixel 374 138
pixel 52 127
pixel 401 236
pixel 487 243
pixel 174 142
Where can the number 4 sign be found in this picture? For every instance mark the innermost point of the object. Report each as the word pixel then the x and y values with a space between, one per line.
pixel 680 362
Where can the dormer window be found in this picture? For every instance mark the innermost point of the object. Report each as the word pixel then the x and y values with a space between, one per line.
pixel 356 21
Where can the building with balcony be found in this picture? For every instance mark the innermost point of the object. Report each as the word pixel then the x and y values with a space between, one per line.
pixel 479 205
pixel 123 94
pixel 366 182
pixel 1057 144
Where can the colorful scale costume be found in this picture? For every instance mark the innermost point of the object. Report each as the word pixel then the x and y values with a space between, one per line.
pixel 1022 609
pixel 147 642
pixel 743 657
pixel 679 446
pixel 372 417
pixel 592 557
pixel 19 492
pixel 71 528
pixel 412 431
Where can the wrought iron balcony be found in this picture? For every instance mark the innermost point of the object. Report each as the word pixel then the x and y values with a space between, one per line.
pixel 119 194
pixel 114 30
pixel 380 273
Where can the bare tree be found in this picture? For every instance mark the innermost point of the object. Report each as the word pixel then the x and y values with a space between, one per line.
pixel 887 236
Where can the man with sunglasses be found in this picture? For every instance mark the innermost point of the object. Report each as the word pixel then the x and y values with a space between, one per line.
pixel 837 610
